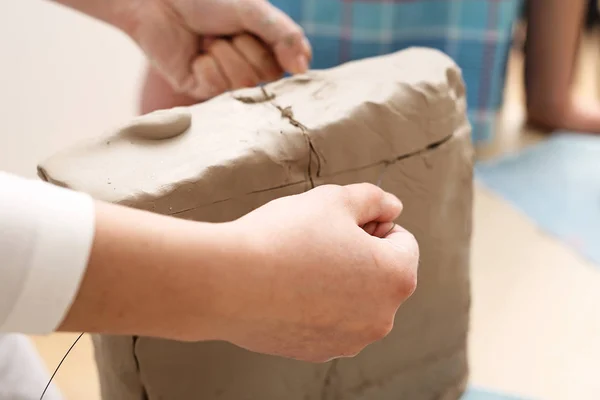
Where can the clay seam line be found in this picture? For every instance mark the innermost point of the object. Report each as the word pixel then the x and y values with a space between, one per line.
pixel 385 163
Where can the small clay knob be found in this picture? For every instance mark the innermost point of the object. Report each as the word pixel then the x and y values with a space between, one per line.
pixel 161 124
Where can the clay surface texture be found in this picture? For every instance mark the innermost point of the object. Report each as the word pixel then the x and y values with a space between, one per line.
pixel 398 119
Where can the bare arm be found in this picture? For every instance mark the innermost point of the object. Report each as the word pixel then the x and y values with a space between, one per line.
pixel 81 265
pixel 152 275
pixel 553 34
pixel 243 282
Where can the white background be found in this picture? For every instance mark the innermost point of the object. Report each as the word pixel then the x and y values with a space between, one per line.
pixel 63 77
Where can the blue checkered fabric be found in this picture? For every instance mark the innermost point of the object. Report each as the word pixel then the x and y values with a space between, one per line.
pixel 475 33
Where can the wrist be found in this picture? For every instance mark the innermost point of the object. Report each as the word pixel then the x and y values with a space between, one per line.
pixel 229 262
pixel 208 294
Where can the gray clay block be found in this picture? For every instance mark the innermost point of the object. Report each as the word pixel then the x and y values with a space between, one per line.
pixel 400 119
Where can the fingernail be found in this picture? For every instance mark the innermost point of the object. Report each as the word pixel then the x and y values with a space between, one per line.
pixel 307 47
pixel 301 65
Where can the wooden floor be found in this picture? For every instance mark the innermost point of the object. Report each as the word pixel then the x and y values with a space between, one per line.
pixel 536 319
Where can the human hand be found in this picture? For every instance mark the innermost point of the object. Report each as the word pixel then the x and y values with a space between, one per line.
pixel 176 36
pixel 241 61
pixel 313 277
pixel 318 286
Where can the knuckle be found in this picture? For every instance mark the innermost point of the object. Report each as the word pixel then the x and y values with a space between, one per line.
pixel 356 350
pixel 381 330
pixel 412 244
pixel 354 354
pixel 375 193
pixel 371 193
pixel 318 359
pixel 407 283
pixel 343 194
pixel 412 252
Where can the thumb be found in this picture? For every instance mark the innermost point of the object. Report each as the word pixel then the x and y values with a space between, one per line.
pixel 403 241
pixel 399 250
pixel 274 27
pixel 367 203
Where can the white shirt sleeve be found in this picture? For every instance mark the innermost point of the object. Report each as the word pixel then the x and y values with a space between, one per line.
pixel 46 234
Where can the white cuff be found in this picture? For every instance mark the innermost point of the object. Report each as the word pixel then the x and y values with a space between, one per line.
pixel 56 231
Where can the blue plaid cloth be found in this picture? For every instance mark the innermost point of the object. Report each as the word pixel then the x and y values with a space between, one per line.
pixel 477 34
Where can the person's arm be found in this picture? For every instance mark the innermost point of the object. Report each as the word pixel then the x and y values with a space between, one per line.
pixel 154 275
pixel 72 264
pixel 553 33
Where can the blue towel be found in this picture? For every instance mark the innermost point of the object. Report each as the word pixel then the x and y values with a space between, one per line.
pixel 477 34
pixel 479 394
pixel 557 184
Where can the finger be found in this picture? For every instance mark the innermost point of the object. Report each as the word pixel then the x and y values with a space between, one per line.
pixel 236 69
pixel 274 27
pixel 379 229
pixel 259 56
pixel 370 227
pixel 399 251
pixel 384 229
pixel 158 94
pixel 367 203
pixel 208 78
pixel 404 242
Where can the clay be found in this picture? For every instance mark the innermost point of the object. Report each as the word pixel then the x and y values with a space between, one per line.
pixel 398 120
pixel 160 124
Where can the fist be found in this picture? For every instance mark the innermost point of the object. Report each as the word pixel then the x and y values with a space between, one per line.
pixel 330 270
pixel 201 48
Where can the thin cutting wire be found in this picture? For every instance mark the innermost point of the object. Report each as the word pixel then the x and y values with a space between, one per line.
pixel 59 364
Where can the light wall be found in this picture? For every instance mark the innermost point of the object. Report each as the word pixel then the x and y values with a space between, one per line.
pixel 63 77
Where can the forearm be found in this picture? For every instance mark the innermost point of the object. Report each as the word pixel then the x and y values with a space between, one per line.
pixel 552 41
pixel 72 264
pixel 152 275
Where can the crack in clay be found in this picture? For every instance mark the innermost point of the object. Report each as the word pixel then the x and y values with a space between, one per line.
pixel 288 113
pixel 256 100
pixel 232 198
pixel 329 392
pixel 137 365
pixel 385 163
pixel 450 351
pixel 327 386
